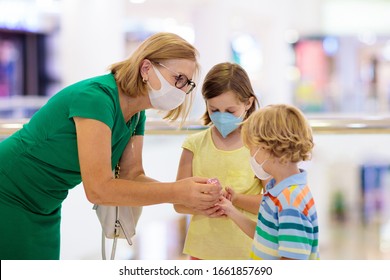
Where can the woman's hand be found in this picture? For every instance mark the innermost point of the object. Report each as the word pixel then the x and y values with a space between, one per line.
pixel 213 212
pixel 194 192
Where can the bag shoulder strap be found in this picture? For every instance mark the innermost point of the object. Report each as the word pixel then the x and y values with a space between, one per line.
pixel 137 121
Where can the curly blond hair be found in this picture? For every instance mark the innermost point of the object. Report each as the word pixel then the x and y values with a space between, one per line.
pixel 282 129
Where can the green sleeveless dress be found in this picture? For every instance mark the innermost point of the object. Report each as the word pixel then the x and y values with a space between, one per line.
pixel 39 165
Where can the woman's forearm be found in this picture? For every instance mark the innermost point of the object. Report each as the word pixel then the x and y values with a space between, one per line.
pixel 122 192
pixel 182 209
pixel 192 192
pixel 144 178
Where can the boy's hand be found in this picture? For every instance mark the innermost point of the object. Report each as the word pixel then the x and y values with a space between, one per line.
pixel 226 206
pixel 229 194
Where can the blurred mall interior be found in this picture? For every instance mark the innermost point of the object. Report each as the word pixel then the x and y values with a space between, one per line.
pixel 331 58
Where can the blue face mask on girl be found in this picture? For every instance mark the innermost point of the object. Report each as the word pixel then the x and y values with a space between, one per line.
pixel 226 122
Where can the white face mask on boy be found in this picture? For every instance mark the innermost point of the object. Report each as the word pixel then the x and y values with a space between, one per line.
pixel 168 97
pixel 258 168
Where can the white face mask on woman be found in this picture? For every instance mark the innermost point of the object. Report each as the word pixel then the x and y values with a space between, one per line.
pixel 168 97
pixel 258 168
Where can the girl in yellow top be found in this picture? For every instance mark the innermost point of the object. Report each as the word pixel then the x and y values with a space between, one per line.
pixel 218 152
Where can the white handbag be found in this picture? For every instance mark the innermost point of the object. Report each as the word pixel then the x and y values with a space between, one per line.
pixel 117 222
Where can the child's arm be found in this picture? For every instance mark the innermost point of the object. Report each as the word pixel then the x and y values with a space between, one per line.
pixel 243 222
pixel 247 202
pixel 185 171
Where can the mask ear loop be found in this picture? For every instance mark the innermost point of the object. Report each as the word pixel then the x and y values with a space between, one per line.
pixel 258 149
pixel 144 72
pixel 243 114
pixel 254 156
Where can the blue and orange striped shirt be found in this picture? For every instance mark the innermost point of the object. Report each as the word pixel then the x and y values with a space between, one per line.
pixel 287 224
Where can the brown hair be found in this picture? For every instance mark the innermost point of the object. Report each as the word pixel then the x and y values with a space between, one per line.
pixel 158 47
pixel 225 77
pixel 283 130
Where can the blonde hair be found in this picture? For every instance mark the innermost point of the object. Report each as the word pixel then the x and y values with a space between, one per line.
pixel 225 77
pixel 158 47
pixel 282 129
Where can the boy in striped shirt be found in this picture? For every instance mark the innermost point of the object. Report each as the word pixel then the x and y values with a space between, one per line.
pixel 279 137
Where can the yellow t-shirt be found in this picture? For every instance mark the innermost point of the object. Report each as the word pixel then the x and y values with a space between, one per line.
pixel 219 238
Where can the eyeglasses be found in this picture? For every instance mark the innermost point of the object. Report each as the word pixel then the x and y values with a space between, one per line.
pixel 181 80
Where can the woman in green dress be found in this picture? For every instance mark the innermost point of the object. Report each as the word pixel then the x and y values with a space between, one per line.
pixel 81 134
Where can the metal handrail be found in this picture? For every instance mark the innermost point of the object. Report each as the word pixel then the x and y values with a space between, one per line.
pixel 319 124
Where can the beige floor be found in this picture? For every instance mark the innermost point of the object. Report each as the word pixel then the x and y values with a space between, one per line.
pixel 344 241
pixel 352 241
